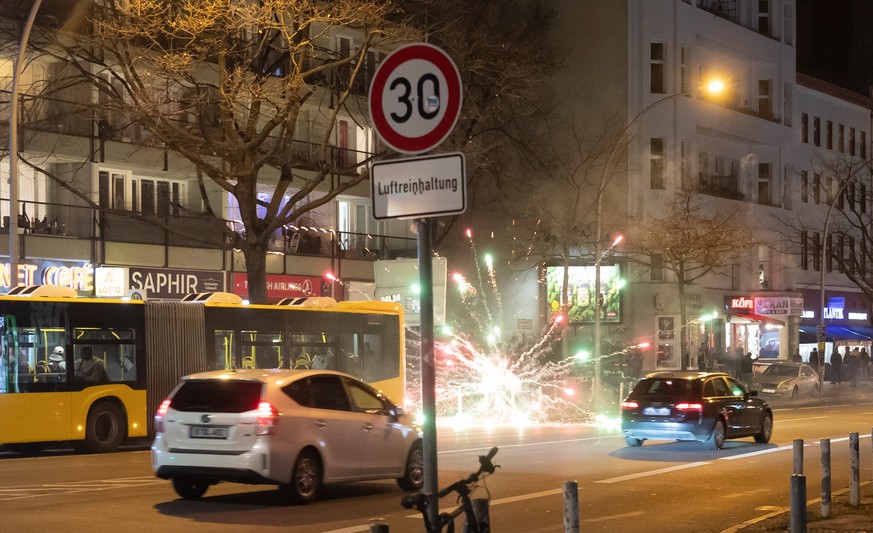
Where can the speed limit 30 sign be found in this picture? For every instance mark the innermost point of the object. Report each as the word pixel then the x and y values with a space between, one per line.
pixel 415 98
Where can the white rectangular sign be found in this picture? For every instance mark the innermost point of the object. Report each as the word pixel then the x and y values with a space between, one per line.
pixel 419 187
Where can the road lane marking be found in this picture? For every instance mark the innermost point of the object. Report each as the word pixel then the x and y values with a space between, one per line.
pixel 50 489
pixel 800 419
pixel 653 472
pixel 612 517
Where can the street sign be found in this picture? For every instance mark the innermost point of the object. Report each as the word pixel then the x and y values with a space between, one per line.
pixel 415 98
pixel 416 187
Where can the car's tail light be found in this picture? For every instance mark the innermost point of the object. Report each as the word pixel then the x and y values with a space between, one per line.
pixel 159 415
pixel 685 406
pixel 629 405
pixel 267 417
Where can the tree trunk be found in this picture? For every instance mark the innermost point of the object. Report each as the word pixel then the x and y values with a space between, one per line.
pixel 683 326
pixel 256 271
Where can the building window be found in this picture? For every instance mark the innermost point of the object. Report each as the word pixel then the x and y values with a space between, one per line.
pixel 683 70
pixel 148 196
pixel 804 250
pixel 764 17
pixel 830 190
pixel 863 145
pixel 863 197
pixel 786 105
pixel 683 160
pixel 804 128
pixel 841 253
pixel 657 74
pixel 862 267
pixel 829 249
pixel 657 268
pixel 816 188
pixel 804 187
pixel 829 135
pixel 658 164
pixel 851 141
pixel 765 105
pixel 852 261
pixel 841 138
pixel 816 131
pixel 764 184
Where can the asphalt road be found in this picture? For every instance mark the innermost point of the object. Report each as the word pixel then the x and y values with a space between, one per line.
pixel 671 487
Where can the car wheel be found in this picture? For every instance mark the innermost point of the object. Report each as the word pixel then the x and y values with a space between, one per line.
pixel 716 438
pixel 633 442
pixel 190 488
pixel 305 479
pixel 105 429
pixel 794 393
pixel 413 477
pixel 766 430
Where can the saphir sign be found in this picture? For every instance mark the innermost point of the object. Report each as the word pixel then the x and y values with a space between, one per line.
pixel 170 284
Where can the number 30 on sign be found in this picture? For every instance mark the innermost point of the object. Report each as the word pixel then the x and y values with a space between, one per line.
pixel 415 98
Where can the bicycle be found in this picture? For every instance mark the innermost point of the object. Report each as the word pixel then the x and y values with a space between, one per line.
pixel 464 487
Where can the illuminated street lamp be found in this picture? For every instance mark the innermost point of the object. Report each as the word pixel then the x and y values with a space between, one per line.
pixel 715 86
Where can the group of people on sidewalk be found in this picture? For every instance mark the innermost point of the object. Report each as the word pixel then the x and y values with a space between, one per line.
pixel 850 365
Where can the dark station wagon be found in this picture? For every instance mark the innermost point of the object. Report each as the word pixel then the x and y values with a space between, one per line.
pixel 694 406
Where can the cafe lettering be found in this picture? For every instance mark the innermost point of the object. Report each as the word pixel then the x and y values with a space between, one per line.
pixel 78 277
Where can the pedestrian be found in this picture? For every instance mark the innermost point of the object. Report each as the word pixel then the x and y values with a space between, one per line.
pixel 797 357
pixel 747 369
pixel 865 363
pixel 737 367
pixel 703 357
pixel 813 360
pixel 836 367
pixel 852 364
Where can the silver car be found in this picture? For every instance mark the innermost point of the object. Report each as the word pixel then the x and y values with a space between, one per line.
pixel 788 378
pixel 294 428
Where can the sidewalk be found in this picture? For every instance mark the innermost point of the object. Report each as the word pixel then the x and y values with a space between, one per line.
pixel 843 518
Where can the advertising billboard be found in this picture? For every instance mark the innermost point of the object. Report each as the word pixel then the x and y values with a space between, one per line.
pixel 581 293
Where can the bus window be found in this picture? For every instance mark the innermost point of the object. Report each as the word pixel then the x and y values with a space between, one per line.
pixel 224 349
pixel 374 360
pixel 262 349
pixel 113 349
pixel 348 360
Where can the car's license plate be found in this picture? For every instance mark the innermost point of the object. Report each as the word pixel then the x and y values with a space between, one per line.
pixel 657 411
pixel 769 391
pixel 208 432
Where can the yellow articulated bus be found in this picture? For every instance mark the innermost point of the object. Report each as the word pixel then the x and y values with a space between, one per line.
pixel 93 371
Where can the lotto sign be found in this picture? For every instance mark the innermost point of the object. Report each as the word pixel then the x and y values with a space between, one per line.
pixel 415 98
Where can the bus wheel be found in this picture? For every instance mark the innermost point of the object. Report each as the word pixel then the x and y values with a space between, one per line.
pixel 105 429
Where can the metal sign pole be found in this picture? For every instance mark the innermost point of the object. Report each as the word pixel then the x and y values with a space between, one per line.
pixel 428 378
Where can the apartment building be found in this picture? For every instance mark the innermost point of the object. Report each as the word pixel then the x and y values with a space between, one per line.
pixel 92 180
pixel 643 67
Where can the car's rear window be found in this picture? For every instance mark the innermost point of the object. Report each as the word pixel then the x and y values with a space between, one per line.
pixel 662 387
pixel 217 396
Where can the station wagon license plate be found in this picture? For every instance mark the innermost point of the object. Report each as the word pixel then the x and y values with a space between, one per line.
pixel 657 411
pixel 769 391
pixel 208 432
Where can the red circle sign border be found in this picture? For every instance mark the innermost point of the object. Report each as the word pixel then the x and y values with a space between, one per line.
pixel 441 60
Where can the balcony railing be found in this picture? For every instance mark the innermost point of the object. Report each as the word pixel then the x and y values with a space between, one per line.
pixel 724 186
pixel 88 223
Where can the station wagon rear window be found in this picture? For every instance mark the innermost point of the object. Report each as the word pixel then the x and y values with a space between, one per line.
pixel 662 387
pixel 217 396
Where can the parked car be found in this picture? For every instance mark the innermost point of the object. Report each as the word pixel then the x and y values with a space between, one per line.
pixel 695 406
pixel 787 378
pixel 294 428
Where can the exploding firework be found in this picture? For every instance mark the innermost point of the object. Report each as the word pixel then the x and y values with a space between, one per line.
pixel 486 378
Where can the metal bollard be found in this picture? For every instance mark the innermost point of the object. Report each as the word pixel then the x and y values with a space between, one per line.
pixel 571 507
pixel 483 516
pixel 855 473
pixel 379 527
pixel 825 478
pixel 798 456
pixel 798 504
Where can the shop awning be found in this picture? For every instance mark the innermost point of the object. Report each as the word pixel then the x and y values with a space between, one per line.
pixel 837 333
pixel 760 318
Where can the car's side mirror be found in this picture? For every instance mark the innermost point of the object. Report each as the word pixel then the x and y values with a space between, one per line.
pixel 753 392
pixel 395 412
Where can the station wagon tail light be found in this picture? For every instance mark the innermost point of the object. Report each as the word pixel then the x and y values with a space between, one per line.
pixel 266 420
pixel 159 415
pixel 629 405
pixel 685 406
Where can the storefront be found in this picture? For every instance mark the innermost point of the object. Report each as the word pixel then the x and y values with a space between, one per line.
pixel 155 283
pixel 767 325
pixel 846 316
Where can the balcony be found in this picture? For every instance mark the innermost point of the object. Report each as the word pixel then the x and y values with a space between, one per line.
pixel 722 186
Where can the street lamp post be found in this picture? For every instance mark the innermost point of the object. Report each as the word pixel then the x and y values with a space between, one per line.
pixel 13 145
pixel 820 332
pixel 714 87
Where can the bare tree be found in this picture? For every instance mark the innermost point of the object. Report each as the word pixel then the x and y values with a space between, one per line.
pixel 689 242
